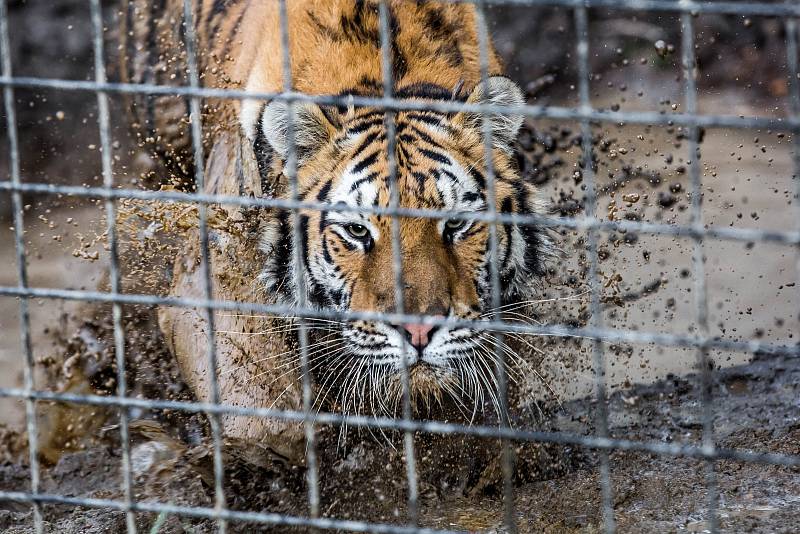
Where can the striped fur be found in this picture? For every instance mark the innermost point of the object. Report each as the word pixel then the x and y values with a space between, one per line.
pixel 341 151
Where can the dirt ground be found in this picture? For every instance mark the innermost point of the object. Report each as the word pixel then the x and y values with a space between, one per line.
pixel 756 409
pixel 647 286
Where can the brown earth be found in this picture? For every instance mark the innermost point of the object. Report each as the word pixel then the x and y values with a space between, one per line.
pixel 756 409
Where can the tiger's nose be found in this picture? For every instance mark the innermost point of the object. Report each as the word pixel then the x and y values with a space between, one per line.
pixel 418 335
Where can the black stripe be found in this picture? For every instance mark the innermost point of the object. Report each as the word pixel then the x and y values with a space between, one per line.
pixel 326 253
pixel 362 124
pixel 399 62
pixel 533 244
pixel 407 138
pixel 316 294
pixel 366 162
pixel 370 85
pixel 478 177
pixel 506 207
pixel 531 236
pixel 425 137
pixel 282 254
pixel 330 113
pixel 403 157
pixel 304 238
pixel 327 31
pixel 469 196
pixel 229 39
pixel 421 179
pixel 336 296
pixel 219 7
pixel 346 243
pixel 435 156
pixel 369 139
pixel 476 229
pixel 440 30
pixel 450 175
pixel 217 15
pixel 263 153
pixel 355 28
pixel 322 196
pixel 368 178
pixel 427 118
pixel 430 91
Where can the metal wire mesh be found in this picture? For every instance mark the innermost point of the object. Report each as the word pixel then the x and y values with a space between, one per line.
pixel 701 341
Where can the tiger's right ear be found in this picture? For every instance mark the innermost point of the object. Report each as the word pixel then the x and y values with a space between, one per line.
pixel 497 90
pixel 312 129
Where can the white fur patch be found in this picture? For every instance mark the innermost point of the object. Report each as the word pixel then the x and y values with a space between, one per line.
pixel 249 117
pixel 342 193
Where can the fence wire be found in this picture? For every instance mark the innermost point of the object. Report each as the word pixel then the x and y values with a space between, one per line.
pixel 584 113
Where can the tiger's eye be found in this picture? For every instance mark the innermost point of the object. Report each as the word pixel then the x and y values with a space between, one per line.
pixel 359 231
pixel 454 224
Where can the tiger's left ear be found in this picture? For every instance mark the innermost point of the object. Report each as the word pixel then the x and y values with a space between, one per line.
pixel 501 91
pixel 311 126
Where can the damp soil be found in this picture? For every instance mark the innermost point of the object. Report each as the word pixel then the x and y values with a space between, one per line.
pixel 756 410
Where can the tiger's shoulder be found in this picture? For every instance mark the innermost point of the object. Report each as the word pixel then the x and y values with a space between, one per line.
pixel 335 49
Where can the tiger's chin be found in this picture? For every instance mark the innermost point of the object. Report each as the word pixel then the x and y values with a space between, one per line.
pixel 432 390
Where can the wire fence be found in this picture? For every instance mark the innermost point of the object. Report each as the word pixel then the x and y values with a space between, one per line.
pixel 700 341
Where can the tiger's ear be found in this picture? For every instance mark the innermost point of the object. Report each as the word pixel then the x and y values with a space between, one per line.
pixel 498 90
pixel 311 126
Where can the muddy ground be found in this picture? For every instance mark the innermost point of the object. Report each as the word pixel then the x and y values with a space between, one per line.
pixel 757 409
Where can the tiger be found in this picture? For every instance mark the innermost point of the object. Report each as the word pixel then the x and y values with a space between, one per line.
pixel 339 156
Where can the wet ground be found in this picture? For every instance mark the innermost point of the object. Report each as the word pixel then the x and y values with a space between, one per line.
pixel 756 409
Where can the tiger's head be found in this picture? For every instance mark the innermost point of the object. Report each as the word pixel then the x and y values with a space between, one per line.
pixel 347 256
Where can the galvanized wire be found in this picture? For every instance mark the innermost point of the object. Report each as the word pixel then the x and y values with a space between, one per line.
pixel 698 261
pixel 22 268
pixel 689 6
pixel 699 339
pixel 779 124
pixel 104 125
pixel 581 223
pixel 507 452
pixel 434 427
pixel 397 256
pixel 290 171
pixel 592 238
pixel 196 121
pixel 609 335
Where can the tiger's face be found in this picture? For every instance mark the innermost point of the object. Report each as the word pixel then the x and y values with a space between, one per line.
pixel 348 256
